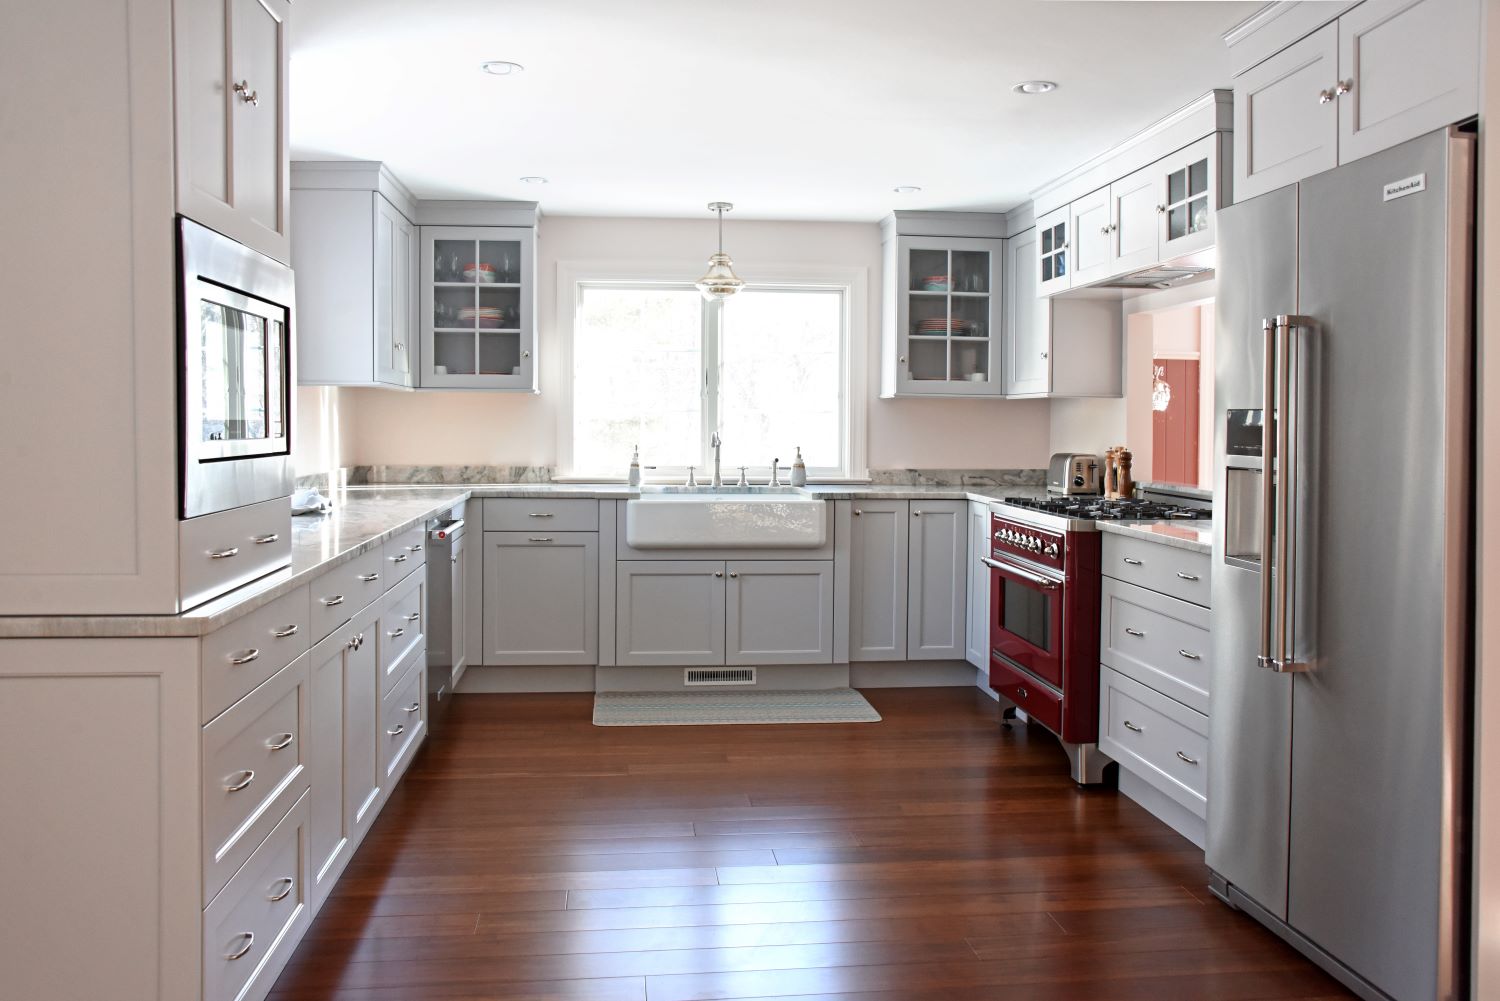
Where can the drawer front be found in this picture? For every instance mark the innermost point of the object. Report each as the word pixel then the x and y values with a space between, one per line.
pixel 218 552
pixel 1160 641
pixel 1031 696
pixel 404 553
pixel 250 930
pixel 237 658
pixel 337 594
pixel 1181 573
pixel 520 515
pixel 401 627
pixel 403 720
pixel 1157 738
pixel 254 765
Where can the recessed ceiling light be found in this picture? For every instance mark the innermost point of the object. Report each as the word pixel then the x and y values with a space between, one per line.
pixel 533 179
pixel 501 67
pixel 906 189
pixel 1034 87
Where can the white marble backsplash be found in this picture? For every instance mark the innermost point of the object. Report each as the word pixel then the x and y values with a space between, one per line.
pixel 977 479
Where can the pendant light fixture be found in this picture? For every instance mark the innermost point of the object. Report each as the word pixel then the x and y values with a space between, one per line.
pixel 720 281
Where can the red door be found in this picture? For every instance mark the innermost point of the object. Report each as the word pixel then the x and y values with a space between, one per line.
pixel 1174 421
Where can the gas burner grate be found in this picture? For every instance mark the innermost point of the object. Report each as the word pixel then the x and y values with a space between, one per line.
pixel 1100 509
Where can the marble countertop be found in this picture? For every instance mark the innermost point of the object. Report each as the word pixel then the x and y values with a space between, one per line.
pixel 1196 536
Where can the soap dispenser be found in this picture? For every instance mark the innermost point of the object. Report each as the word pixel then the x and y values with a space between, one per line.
pixel 799 470
pixel 635 467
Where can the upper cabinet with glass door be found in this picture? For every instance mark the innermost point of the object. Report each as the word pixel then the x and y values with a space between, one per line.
pixel 477 311
pixel 943 316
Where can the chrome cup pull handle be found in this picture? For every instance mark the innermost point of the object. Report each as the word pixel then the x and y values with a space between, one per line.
pixel 244 657
pixel 1187 576
pixel 280 741
pixel 538 538
pixel 244 779
pixel 248 940
pixel 332 599
pixel 369 578
pixel 539 514
pixel 1184 757
pixel 266 540
pixel 1131 726
pixel 1133 562
pixel 285 631
pixel 399 558
pixel 397 730
pixel 224 554
pixel 414 707
pixel 396 633
pixel 413 549
pixel 280 889
pixel 414 617
pixel 1134 632
pixel 1189 655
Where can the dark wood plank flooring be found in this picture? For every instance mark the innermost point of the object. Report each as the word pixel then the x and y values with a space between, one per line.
pixel 531 856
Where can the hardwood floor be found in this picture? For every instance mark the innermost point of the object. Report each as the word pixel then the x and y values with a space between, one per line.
pixel 531 856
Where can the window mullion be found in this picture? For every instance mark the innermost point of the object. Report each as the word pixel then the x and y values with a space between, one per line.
pixel 713 320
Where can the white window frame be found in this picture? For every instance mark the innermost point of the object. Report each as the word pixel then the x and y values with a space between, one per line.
pixel 572 276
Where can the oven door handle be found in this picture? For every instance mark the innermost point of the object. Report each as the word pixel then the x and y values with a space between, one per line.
pixel 1041 582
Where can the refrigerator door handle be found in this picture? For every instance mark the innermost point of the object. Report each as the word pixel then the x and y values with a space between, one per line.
pixel 1284 658
pixel 1267 492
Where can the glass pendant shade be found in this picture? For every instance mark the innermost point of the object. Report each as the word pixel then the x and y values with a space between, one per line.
pixel 719 281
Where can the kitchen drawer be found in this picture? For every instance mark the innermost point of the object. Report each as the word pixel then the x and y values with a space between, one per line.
pixel 250 929
pixel 519 515
pixel 254 766
pixel 404 553
pixel 1181 573
pixel 338 593
pixel 1031 696
pixel 218 552
pixel 1160 641
pixel 246 652
pixel 1157 738
pixel 403 719
pixel 401 627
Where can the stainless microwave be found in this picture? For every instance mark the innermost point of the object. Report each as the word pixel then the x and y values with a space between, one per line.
pixel 236 370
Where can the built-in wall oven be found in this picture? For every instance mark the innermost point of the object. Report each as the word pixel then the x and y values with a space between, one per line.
pixel 236 370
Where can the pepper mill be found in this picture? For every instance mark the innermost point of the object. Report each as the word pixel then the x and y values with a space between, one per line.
pixel 1124 481
pixel 1109 473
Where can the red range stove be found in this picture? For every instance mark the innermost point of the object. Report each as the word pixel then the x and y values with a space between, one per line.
pixel 1044 627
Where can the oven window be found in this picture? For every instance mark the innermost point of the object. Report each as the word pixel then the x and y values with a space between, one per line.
pixel 1026 614
pixel 243 393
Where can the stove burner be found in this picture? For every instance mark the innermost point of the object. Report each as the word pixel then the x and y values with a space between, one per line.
pixel 1099 509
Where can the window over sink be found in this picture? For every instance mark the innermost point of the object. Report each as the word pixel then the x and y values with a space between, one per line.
pixel 649 362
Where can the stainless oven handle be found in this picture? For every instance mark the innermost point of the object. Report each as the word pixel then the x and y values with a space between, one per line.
pixel 1041 582
pixel 1267 490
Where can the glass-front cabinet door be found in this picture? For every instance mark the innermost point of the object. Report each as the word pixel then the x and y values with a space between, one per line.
pixel 1190 195
pixel 948 316
pixel 478 320
pixel 1054 257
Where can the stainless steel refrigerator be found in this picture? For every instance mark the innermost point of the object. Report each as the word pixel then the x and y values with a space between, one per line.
pixel 1339 726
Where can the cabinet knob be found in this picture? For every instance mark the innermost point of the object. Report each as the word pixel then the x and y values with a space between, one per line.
pixel 1161 210
pixel 1044 355
pixel 734 575
pixel 1103 230
pixel 718 573
pixel 525 354
pixel 247 95
pixel 1344 87
pixel 916 514
pixel 857 512
pixel 902 359
pixel 1325 97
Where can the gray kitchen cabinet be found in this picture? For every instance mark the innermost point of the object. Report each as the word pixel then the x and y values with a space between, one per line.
pixel 541 598
pixel 878 534
pixel 354 252
pixel 778 612
pixel 978 652
pixel 1052 259
pixel 477 311
pixel 937 608
pixel 230 60
pixel 670 613
pixel 1285 121
pixel 1060 347
pixel 1383 72
pixel 942 317
pixel 1091 220
pixel 1191 185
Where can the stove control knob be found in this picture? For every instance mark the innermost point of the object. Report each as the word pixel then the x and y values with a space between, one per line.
pixel 1052 549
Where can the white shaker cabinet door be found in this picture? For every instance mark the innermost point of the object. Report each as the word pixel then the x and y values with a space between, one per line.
pixel 669 613
pixel 1286 116
pixel 779 612
pixel 1093 237
pixel 395 294
pixel 1028 332
pixel 541 598
pixel 1135 201
pixel 1406 67
pixel 878 535
pixel 937 605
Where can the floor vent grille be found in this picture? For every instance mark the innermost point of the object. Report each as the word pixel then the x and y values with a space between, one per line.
pixel 698 676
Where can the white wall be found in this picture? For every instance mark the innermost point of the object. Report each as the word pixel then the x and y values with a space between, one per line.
pixel 454 428
pixel 1092 426
pixel 323 428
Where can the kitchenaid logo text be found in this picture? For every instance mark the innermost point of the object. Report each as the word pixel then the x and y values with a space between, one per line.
pixel 1407 186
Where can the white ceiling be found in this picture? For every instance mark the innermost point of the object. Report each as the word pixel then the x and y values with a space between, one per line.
pixel 791 109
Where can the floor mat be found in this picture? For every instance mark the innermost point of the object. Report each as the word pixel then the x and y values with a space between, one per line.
pixel 834 705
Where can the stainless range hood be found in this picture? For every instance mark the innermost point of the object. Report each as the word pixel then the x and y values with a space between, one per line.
pixel 1168 274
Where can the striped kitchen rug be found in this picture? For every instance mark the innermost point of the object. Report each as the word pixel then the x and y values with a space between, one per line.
pixel 834 705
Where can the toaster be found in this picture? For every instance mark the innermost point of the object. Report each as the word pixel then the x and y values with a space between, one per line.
pixel 1073 473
